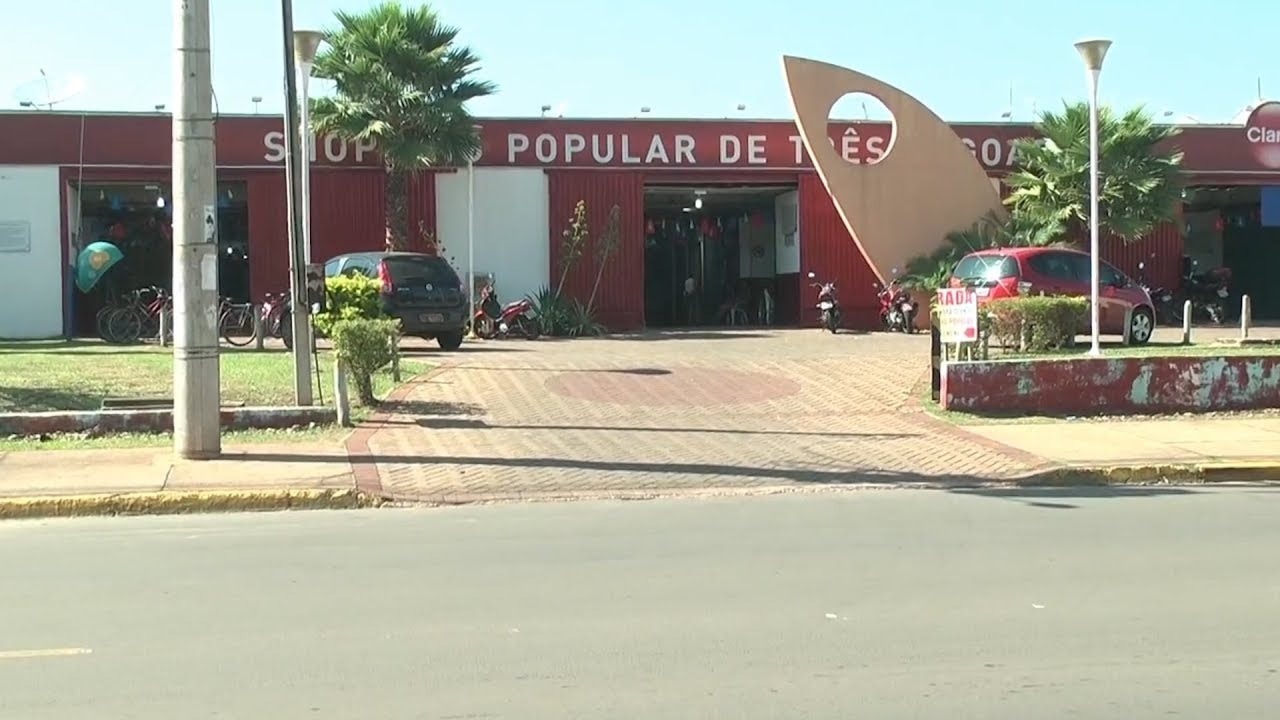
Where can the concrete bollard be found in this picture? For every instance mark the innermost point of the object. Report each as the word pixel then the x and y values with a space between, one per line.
pixel 1246 319
pixel 1186 323
pixel 341 396
pixel 259 329
pixel 935 362
pixel 395 360
pixel 166 321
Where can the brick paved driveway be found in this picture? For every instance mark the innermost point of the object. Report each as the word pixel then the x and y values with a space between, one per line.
pixel 659 413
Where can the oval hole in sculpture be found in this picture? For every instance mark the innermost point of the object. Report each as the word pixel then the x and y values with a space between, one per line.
pixel 860 128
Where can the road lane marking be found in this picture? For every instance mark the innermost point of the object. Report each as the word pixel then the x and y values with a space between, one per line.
pixel 48 652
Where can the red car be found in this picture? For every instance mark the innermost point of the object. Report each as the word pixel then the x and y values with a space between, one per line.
pixel 1010 272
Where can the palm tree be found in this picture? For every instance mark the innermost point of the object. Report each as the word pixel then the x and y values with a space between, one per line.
pixel 1139 179
pixel 401 80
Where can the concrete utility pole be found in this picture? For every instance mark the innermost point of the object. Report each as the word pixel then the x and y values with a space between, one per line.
pixel 196 390
pixel 297 232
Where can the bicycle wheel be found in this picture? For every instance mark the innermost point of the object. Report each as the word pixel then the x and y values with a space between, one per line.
pixel 124 326
pixel 102 322
pixel 236 326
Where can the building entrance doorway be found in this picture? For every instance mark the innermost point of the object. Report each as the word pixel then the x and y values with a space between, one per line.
pixel 1225 228
pixel 711 254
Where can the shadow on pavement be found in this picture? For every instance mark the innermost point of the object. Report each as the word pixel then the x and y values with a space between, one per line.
pixel 47 399
pixel 454 423
pixel 725 334
pixel 860 476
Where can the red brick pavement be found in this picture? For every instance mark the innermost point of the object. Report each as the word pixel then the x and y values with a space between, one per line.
pixel 637 417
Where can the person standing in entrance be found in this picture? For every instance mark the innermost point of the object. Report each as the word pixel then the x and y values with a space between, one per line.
pixel 691 301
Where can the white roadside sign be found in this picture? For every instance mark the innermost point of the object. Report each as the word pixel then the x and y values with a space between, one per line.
pixel 957 315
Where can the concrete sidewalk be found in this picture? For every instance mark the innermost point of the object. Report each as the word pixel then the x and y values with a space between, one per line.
pixel 1183 440
pixel 300 466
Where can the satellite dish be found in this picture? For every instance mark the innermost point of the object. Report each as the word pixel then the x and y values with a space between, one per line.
pixel 48 90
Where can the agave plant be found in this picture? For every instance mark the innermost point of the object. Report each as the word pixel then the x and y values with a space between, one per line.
pixel 551 311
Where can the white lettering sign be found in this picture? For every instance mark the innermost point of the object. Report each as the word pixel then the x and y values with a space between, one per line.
pixel 1260 135
pixel 730 150
pixel 860 146
pixel 335 148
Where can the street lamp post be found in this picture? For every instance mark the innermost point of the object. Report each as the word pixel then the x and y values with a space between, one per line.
pixel 471 239
pixel 1093 52
pixel 300 330
pixel 305 45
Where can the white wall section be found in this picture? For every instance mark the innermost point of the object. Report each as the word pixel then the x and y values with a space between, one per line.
pixel 511 226
pixel 31 271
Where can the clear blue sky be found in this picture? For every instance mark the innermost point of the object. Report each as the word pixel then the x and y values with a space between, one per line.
pixel 599 58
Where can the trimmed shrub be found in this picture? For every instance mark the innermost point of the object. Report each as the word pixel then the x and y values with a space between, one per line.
pixel 1036 324
pixel 349 297
pixel 364 346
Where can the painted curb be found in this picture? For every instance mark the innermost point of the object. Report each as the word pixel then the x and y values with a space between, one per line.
pixel 1203 474
pixel 179 503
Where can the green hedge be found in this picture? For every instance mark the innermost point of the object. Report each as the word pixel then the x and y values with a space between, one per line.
pixel 364 346
pixel 1036 324
pixel 352 297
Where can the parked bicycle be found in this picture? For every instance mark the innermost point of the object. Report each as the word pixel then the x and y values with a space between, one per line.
pixel 133 316
pixel 235 322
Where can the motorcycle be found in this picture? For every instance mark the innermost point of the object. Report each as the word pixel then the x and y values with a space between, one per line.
pixel 277 318
pixel 1166 313
pixel 1207 290
pixel 828 305
pixel 897 310
pixel 493 319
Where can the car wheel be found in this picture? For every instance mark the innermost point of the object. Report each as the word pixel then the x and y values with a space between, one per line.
pixel 449 341
pixel 1141 326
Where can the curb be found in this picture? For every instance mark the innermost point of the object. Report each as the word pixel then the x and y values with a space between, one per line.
pixel 181 503
pixel 368 478
pixel 1204 474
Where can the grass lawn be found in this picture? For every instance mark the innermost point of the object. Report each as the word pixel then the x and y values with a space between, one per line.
pixel 42 376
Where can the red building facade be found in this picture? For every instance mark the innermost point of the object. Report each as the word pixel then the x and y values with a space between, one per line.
pixel 604 162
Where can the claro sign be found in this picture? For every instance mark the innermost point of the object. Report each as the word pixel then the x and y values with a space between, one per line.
pixel 1262 132
pixel 664 145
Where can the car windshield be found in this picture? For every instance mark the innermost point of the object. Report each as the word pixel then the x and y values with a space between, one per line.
pixel 988 268
pixel 420 270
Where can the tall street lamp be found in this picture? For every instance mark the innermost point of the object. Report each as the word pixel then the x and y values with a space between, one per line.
pixel 471 236
pixel 1093 52
pixel 305 45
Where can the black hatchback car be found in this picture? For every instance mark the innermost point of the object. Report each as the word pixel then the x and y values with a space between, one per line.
pixel 422 291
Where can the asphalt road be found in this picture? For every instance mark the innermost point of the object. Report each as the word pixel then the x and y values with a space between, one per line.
pixel 888 604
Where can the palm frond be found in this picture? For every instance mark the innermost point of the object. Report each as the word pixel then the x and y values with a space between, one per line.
pixel 1139 171
pixel 402 79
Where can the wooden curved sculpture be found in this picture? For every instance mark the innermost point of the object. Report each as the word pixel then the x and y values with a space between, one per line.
pixel 927 185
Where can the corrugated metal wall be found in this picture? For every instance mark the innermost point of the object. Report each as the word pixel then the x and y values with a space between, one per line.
pixel 268 234
pixel 347 208
pixel 827 249
pixel 620 301
pixel 1161 250
pixel 422 207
